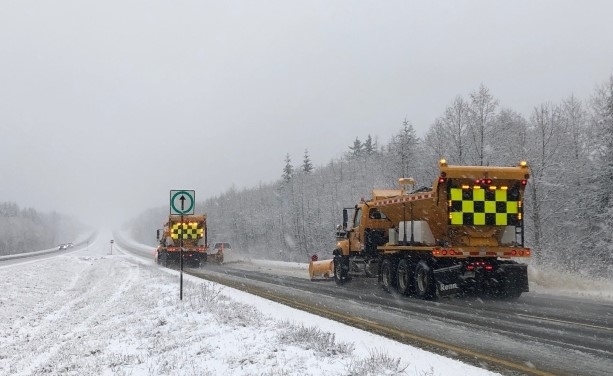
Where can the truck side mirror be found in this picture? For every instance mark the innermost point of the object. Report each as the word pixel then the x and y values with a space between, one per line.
pixel 345 219
pixel 158 234
pixel 341 233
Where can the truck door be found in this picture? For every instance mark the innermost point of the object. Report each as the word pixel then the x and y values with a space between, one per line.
pixel 355 235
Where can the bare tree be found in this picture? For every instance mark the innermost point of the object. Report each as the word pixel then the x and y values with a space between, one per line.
pixel 455 123
pixel 544 146
pixel 482 110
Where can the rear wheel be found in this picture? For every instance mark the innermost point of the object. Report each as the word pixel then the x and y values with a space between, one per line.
pixel 405 278
pixel 424 281
pixel 388 276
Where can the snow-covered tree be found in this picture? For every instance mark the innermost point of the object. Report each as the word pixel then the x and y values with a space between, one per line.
pixel 507 140
pixel 482 111
pixel 27 230
pixel 454 126
pixel 288 169
pixel 370 146
pixel 544 201
pixel 602 125
pixel 307 165
pixel 403 151
pixel 357 150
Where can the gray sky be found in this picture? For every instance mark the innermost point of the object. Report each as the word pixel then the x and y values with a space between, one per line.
pixel 107 105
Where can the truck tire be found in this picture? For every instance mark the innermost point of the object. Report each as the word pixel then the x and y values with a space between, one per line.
pixel 388 276
pixel 425 287
pixel 405 277
pixel 341 270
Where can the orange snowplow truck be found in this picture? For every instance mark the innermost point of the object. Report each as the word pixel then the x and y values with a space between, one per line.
pixel 190 231
pixel 465 234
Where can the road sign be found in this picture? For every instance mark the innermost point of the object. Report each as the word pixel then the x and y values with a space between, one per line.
pixel 182 202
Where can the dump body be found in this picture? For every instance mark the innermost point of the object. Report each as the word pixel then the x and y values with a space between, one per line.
pixel 189 232
pixel 463 234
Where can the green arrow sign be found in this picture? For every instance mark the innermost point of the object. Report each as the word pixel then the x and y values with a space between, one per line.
pixel 182 202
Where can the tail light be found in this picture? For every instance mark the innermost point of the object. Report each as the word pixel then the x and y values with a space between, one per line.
pixel 479 265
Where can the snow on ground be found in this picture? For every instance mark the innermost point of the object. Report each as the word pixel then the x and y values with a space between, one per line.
pixel 91 313
pixel 559 283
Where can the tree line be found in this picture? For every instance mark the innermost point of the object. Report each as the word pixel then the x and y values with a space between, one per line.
pixel 568 200
pixel 27 230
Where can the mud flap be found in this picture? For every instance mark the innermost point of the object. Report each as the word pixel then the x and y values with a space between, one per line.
pixel 513 277
pixel 447 280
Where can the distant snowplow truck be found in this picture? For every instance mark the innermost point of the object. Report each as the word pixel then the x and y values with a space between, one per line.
pixel 192 231
pixel 465 234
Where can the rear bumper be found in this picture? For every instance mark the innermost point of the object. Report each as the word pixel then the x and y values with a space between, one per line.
pixel 503 277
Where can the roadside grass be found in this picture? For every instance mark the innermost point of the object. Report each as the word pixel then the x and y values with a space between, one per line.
pixel 210 298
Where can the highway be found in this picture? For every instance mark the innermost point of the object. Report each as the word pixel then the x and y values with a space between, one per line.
pixel 537 334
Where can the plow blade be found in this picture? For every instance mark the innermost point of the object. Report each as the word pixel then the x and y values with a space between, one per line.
pixel 322 269
pixel 216 257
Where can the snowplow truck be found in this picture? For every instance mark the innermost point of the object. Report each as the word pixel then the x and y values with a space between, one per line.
pixel 188 231
pixel 463 235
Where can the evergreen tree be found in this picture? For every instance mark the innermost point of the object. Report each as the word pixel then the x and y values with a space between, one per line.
pixel 357 150
pixel 288 170
pixel 370 146
pixel 307 165
pixel 404 150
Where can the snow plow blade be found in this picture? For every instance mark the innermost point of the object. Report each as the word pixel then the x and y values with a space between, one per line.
pixel 322 269
pixel 216 257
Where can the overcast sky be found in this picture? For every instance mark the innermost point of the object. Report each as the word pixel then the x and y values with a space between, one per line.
pixel 107 105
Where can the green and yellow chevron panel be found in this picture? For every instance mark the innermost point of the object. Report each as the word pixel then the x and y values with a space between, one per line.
pixel 479 206
pixel 191 230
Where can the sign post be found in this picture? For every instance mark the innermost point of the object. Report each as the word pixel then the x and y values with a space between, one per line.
pixel 182 202
pixel 112 241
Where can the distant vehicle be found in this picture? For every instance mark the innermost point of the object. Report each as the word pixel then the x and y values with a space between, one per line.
pixel 63 246
pixel 219 249
pixel 222 245
pixel 191 231
pixel 69 245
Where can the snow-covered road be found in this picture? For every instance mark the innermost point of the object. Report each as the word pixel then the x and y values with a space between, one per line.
pixel 91 313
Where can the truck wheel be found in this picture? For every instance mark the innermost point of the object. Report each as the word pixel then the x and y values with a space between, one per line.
pixel 424 281
pixel 405 278
pixel 388 276
pixel 340 275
